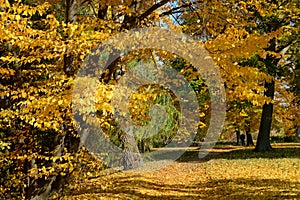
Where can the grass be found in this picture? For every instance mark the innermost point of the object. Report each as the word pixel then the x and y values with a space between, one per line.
pixel 280 150
pixel 229 172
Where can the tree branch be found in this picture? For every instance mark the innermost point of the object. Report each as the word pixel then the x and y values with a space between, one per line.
pixel 173 10
pixel 153 8
pixel 130 21
pixel 84 1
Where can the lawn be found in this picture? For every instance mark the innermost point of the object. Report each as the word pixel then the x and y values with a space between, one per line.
pixel 228 172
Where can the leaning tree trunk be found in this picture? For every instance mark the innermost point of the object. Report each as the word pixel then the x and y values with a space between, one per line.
pixel 263 140
pixel 131 158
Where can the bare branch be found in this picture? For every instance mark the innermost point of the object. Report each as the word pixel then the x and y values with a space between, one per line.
pixel 286 48
pixel 94 11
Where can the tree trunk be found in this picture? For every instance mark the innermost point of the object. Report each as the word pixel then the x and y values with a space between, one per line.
pixel 249 139
pixel 263 140
pixel 248 135
pixel 298 132
pixel 143 145
pixel 238 134
pixel 42 188
pixel 131 158
pixel 72 7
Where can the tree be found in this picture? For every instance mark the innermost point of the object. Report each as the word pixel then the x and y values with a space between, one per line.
pixel 42 46
pixel 32 93
pixel 36 119
pixel 275 51
pixel 243 30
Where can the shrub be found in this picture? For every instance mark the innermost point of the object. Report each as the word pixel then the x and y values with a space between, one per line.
pixel 276 139
pixel 291 138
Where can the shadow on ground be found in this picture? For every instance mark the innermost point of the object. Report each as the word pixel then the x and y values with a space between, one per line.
pixel 136 187
pixel 125 185
pixel 242 153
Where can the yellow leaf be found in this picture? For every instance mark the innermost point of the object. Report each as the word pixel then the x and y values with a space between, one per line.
pixel 243 113
pixel 202 114
pixel 18 17
pixel 60 102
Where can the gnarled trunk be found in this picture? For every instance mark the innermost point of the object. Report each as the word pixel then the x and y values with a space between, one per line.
pixel 131 157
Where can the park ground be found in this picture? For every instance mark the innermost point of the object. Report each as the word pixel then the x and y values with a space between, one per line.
pixel 228 172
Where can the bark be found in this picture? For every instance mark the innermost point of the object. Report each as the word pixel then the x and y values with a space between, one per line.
pixel 102 11
pixel 238 134
pixel 143 145
pixel 243 139
pixel 263 140
pixel 131 158
pixel 249 136
pixel 249 139
pixel 72 7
